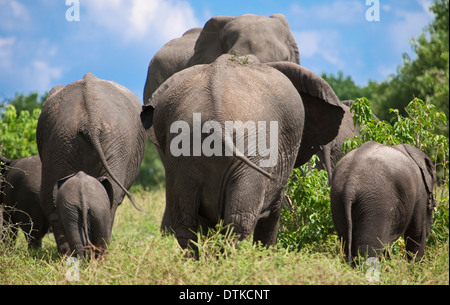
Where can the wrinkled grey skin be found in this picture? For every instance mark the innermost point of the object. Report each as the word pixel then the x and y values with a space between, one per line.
pixel 331 153
pixel 380 192
pixel 171 58
pixel 19 192
pixel 90 125
pixel 268 38
pixel 84 208
pixel 201 190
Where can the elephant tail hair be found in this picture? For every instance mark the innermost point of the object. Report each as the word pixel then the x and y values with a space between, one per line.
pixel 95 142
pixel 348 217
pixel 84 221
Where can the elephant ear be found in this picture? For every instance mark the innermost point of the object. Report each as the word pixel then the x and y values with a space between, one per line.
pixel 323 110
pixel 427 169
pixel 59 184
pixel 209 45
pixel 147 121
pixel 108 187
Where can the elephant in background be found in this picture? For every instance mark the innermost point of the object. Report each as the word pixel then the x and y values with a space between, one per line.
pixel 268 38
pixel 202 188
pixel 171 58
pixel 20 195
pixel 84 207
pixel 330 154
pixel 380 192
pixel 91 125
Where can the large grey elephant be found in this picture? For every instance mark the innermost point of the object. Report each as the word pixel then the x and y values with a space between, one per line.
pixel 20 195
pixel 84 208
pixel 90 125
pixel 212 175
pixel 380 192
pixel 268 38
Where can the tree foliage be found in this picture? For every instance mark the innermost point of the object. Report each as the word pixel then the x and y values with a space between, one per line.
pixel 425 75
pixel 18 132
pixel 418 128
pixel 344 86
pixel 306 216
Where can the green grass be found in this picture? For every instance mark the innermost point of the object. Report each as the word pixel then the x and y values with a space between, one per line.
pixel 139 254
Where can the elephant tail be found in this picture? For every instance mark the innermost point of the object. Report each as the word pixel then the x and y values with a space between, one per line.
pixel 95 142
pixel 348 217
pixel 84 223
pixel 240 156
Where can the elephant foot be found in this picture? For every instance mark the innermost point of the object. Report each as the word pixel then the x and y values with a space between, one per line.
pixel 64 248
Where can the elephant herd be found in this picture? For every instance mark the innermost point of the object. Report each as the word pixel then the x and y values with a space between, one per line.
pixel 242 72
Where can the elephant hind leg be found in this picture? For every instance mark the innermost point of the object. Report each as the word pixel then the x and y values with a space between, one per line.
pixel 266 229
pixel 415 240
pixel 182 205
pixel 243 203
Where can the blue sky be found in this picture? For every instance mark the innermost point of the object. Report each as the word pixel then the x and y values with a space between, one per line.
pixel 116 39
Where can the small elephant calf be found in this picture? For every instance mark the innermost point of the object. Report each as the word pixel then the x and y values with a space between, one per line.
pixel 20 185
pixel 83 206
pixel 380 192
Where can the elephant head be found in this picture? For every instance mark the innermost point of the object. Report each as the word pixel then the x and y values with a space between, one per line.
pixel 83 205
pixel 268 38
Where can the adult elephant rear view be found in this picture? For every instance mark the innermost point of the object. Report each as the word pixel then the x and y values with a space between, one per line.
pixel 216 181
pixel 268 38
pixel 90 125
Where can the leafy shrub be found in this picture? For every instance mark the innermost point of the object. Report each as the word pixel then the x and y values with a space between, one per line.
pixel 306 215
pixel 18 132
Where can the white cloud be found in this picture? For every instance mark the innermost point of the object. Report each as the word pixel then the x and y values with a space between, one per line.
pixel 147 20
pixel 19 70
pixel 6 51
pixel 320 43
pixel 41 75
pixel 409 24
pixel 13 15
pixel 343 12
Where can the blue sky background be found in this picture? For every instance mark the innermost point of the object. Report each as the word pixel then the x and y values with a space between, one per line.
pixel 116 39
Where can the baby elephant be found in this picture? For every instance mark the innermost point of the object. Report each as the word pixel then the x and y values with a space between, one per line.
pixel 83 205
pixel 378 193
pixel 20 183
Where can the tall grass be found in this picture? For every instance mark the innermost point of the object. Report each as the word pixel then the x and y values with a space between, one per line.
pixel 139 254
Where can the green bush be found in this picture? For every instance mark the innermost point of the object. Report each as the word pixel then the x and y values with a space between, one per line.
pixel 306 215
pixel 18 132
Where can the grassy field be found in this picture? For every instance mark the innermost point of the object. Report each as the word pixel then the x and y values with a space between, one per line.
pixel 138 254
